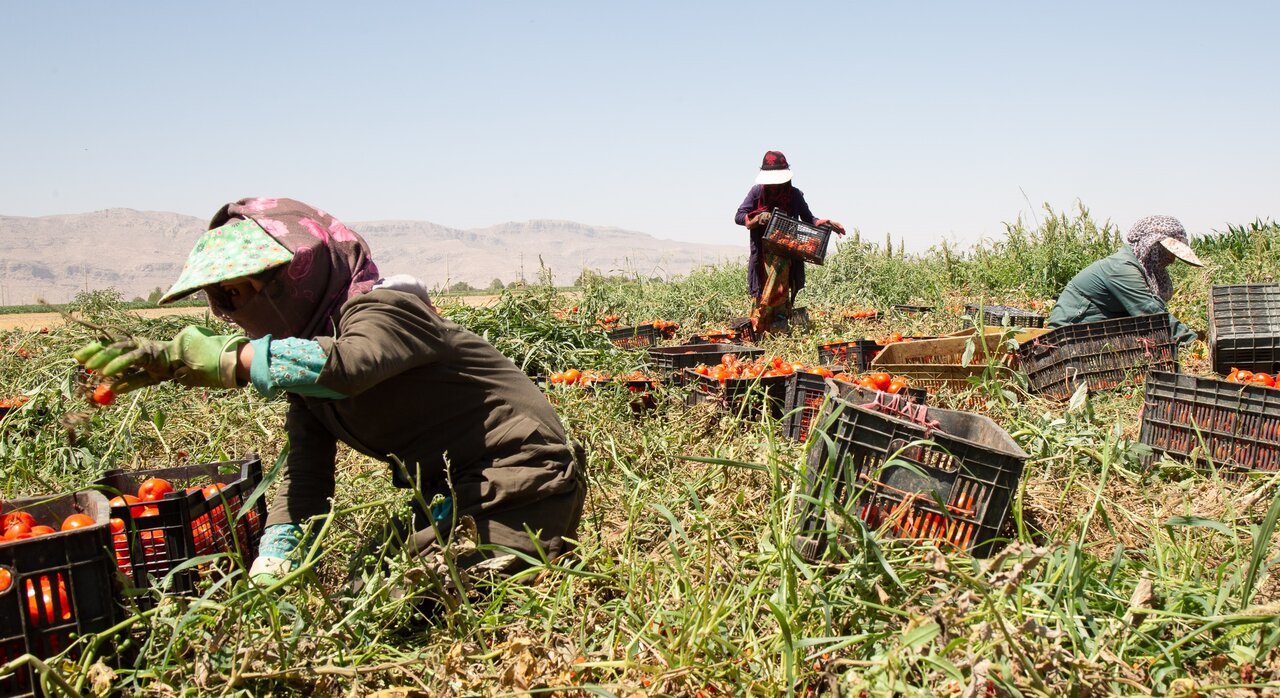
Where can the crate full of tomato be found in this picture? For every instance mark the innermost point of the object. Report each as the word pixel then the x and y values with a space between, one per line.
pixel 164 517
pixel 809 390
pixel 912 472
pixel 790 237
pixel 57 578
pixel 743 385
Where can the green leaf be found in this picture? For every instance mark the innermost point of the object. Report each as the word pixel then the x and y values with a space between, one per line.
pixel 1199 522
pixel 920 636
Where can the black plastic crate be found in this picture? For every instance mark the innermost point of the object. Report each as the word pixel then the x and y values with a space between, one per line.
pixel 856 353
pixel 789 237
pixel 56 587
pixel 637 337
pixel 806 393
pixel 1104 355
pixel 996 314
pixel 671 361
pixel 1205 421
pixel 911 309
pixel 188 523
pixel 741 396
pixel 1244 327
pixel 870 465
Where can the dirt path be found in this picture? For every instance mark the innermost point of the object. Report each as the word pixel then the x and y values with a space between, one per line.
pixel 35 321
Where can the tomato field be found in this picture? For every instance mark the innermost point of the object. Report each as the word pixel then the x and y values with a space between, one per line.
pixel 1122 574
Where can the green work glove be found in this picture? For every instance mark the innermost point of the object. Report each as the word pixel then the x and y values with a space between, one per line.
pixel 196 358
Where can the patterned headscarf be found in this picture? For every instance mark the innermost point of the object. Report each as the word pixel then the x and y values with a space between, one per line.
pixel 1144 238
pixel 330 265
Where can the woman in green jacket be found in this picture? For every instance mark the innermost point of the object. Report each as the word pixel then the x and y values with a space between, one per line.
pixel 1133 281
pixel 369 362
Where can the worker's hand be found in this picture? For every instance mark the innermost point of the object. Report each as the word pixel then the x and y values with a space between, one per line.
pixel 196 358
pixel 832 224
pixel 279 552
pixel 762 219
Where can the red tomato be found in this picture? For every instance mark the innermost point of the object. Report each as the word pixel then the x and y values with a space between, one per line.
pixel 122 500
pixel 117 525
pixel 881 380
pixel 103 395
pixel 34 604
pixel 6 579
pixel 148 511
pixel 154 489
pixel 41 531
pixel 1261 379
pixel 17 517
pixel 77 521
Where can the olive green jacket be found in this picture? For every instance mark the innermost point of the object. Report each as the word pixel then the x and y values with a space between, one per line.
pixel 1112 287
pixel 432 399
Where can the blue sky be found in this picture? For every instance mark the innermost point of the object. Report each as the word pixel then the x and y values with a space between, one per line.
pixel 925 120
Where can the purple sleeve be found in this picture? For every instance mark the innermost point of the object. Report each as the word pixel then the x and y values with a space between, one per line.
pixel 748 205
pixel 802 208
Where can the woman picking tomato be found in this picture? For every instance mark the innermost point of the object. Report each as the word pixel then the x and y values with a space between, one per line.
pixel 369 362
pixel 1133 281
pixel 774 280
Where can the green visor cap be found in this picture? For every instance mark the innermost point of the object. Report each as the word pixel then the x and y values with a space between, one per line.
pixel 239 248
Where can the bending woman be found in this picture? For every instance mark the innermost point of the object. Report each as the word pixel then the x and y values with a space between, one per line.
pixel 371 363
pixel 1133 281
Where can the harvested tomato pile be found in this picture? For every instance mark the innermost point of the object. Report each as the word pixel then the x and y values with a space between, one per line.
pixel 666 328
pixel 20 525
pixel 877 380
pixel 861 314
pixel 588 376
pixel 10 403
pixel 806 247
pixel 609 322
pixel 1251 378
pixel 722 335
pixel 733 367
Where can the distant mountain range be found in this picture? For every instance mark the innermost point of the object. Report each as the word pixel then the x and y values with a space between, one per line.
pixel 134 252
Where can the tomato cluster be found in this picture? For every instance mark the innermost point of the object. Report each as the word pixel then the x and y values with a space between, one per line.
pixel 665 327
pixel 733 367
pixel 609 322
pixel 21 525
pixel 10 403
pixel 720 335
pixel 861 313
pixel 1251 378
pixel 878 380
pixel 589 376
pixel 143 505
pixel 806 247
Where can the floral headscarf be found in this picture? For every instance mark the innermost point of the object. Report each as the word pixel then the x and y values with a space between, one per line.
pixel 1144 238
pixel 331 264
